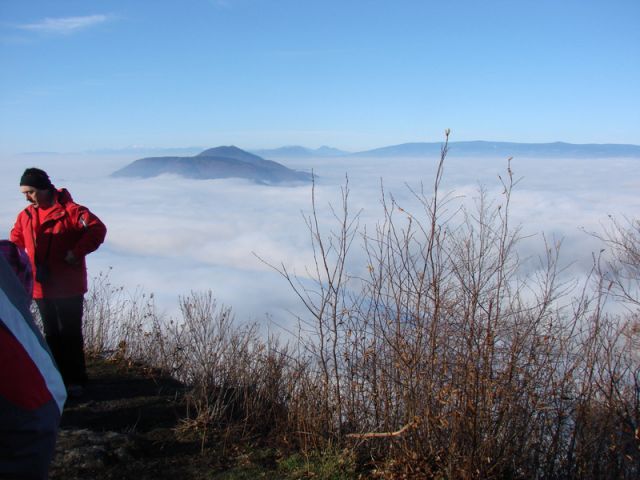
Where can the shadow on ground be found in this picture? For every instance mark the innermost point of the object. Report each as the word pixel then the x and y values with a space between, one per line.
pixel 125 426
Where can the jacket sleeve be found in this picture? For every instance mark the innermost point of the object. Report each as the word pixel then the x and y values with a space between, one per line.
pixel 17 235
pixel 93 231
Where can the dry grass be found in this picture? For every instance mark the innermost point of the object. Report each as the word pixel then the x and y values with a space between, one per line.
pixel 444 358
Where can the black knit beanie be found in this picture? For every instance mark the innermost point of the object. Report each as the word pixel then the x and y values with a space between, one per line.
pixel 34 177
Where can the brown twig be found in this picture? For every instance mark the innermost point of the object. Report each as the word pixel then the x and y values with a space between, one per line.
pixel 397 433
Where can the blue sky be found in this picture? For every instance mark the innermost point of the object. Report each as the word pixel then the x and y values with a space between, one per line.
pixel 89 74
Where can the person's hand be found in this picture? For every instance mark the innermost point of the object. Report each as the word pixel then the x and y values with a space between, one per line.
pixel 71 259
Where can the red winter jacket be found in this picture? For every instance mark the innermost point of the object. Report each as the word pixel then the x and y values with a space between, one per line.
pixel 67 227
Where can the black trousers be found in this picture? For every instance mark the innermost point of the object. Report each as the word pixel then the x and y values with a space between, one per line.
pixel 62 322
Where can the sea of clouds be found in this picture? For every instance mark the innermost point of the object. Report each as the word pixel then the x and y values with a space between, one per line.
pixel 171 236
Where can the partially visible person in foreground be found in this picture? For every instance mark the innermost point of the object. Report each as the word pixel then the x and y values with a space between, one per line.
pixel 19 262
pixel 57 234
pixel 32 393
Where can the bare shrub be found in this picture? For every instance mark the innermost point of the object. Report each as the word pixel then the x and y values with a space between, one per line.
pixel 620 271
pixel 468 364
pixel 235 379
pixel 235 376
pixel 320 401
pixel 444 355
pixel 117 321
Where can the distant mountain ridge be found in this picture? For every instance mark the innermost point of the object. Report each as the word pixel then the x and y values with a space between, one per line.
pixel 233 162
pixel 478 148
pixel 413 149
pixel 213 163
pixel 486 148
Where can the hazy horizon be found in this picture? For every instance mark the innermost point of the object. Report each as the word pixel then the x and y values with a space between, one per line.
pixel 188 150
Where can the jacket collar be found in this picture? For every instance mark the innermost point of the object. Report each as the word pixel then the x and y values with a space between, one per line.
pixel 57 210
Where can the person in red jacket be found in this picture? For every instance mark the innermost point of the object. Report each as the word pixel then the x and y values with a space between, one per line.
pixel 57 234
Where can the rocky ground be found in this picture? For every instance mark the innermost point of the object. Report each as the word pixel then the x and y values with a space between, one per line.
pixel 129 424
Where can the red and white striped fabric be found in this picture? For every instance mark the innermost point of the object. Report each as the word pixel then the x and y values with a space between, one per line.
pixel 28 377
pixel 32 393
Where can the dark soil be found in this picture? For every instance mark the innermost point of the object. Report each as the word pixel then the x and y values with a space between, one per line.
pixel 129 424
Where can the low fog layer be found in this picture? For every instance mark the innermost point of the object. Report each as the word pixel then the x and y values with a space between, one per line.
pixel 170 235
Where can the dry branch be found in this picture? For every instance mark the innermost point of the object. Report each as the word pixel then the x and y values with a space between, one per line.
pixel 397 433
